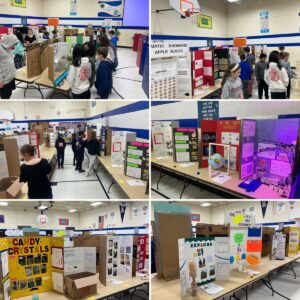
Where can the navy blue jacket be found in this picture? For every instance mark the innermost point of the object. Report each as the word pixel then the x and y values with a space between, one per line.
pixel 246 71
pixel 104 81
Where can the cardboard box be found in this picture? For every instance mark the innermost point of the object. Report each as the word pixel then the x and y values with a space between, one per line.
pixel 89 32
pixel 286 230
pixel 33 60
pixel 81 285
pixel 211 230
pixel 267 235
pixel 68 31
pixel 10 188
pixel 12 156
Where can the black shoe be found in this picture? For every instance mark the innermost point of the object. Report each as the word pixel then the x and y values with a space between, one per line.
pixel 81 171
pixel 76 169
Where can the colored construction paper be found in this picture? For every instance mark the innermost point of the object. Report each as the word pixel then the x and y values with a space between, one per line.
pixel 254 245
pixel 254 232
pixel 253 259
pixel 237 219
pixel 238 238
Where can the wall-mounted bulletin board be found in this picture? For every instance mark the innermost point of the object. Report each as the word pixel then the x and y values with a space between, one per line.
pixel 205 22
pixel 18 3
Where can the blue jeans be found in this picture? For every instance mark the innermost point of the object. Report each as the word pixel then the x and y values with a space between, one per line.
pixel 60 158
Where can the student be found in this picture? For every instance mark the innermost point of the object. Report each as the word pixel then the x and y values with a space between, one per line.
pixel 113 38
pixel 295 190
pixel 79 74
pixel 246 75
pixel 276 77
pixel 29 38
pixel 74 137
pixel 250 58
pixel 112 50
pixel 284 61
pixel 90 51
pixel 79 152
pixel 19 52
pixel 260 69
pixel 7 66
pixel 281 50
pixel 60 146
pixel 35 172
pixel 93 147
pixel 232 87
pixel 54 35
pixel 104 81
pixel 46 35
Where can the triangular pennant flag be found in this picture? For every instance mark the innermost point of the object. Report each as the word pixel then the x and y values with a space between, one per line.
pixel 264 205
pixel 122 211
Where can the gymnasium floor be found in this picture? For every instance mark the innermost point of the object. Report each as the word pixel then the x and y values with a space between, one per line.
pixel 70 184
pixel 127 82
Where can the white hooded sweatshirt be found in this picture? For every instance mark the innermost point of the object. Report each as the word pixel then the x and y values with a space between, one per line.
pixel 7 64
pixel 276 79
pixel 78 77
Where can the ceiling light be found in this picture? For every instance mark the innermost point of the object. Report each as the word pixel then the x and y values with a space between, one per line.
pixel 232 1
pixel 72 210
pixel 96 203
pixel 3 203
pixel 42 207
pixel 205 204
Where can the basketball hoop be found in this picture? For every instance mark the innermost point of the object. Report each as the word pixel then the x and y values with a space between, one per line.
pixel 193 14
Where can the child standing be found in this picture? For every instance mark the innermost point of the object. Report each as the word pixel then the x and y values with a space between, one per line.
pixel 93 147
pixel 19 52
pixel 285 56
pixel 74 136
pixel 80 73
pixel 79 152
pixel 232 87
pixel 260 69
pixel 35 172
pixel 7 66
pixel 90 51
pixel 60 146
pixel 113 38
pixel 276 77
pixel 105 69
pixel 246 75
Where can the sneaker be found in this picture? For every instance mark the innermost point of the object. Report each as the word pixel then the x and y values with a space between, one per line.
pixel 81 171
pixel 76 169
pixel 62 167
pixel 59 167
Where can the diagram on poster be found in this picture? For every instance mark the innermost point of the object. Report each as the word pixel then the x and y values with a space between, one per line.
pixel 238 243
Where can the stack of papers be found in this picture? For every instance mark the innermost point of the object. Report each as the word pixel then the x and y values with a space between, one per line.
pixel 135 182
pixel 211 288
pixel 251 272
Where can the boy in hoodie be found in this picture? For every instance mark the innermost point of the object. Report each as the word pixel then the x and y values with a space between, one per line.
pixel 80 73
pixel 7 66
pixel 104 79
pixel 246 75
pixel 276 77
pixel 260 69
pixel 284 61
pixel 60 146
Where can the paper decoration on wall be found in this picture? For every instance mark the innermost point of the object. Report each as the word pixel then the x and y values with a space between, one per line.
pixel 208 110
pixel 29 265
pixel 63 222
pixel 122 207
pixel 195 217
pixel 73 8
pixel 18 3
pixel 186 144
pixel 111 9
pixel 101 222
pixel 264 206
pixel 112 215
pixel 264 22
pixel 239 218
pixel 135 212
pixel 2 219
pixel 294 240
pixel 238 243
pixel 254 246
pixel 292 204
pixel 42 219
pixel 205 21
pixel 200 251
pixel 278 246
pixel 279 207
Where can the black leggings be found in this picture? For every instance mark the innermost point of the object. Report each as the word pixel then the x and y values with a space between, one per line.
pixel 278 95
pixel 6 91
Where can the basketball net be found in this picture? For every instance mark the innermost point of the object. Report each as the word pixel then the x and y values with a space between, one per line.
pixel 193 14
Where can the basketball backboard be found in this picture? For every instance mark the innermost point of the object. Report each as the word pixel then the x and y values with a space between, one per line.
pixel 184 6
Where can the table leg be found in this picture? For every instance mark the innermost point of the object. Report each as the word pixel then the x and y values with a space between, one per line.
pixel 57 92
pixel 161 176
pixel 233 296
pixel 269 285
pixel 185 185
pixel 290 267
pixel 139 290
pixel 112 183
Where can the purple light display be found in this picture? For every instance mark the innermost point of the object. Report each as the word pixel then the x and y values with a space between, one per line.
pixel 136 13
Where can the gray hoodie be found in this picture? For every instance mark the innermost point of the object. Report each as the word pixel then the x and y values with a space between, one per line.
pixel 287 66
pixel 232 88
pixel 7 64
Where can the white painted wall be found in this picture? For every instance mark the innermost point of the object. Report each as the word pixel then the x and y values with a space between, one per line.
pixel 34 8
pixel 20 217
pixel 241 109
pixel 170 22
pixel 88 219
pixel 218 213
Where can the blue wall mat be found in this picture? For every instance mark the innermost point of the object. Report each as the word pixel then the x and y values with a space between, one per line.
pixel 146 82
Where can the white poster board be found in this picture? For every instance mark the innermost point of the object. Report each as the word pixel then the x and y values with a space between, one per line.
pixel 118 145
pixel 238 244
pixel 222 258
pixel 125 256
pixel 3 165
pixel 278 246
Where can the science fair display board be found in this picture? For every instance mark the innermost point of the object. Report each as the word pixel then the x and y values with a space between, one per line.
pixel 186 145
pixel 162 137
pixel 203 260
pixel 142 252
pixel 118 145
pixel 278 246
pixel 220 132
pixel 5 289
pixel 29 260
pixel 171 69
pixel 137 160
pixel 293 240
